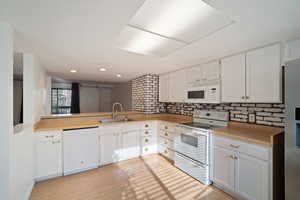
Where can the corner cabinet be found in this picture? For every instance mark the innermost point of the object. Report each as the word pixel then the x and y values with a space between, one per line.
pixel 254 76
pixel 242 169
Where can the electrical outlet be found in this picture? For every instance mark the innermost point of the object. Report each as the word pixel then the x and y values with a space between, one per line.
pixel 251 117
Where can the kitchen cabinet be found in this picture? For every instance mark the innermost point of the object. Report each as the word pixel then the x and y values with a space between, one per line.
pixel 252 77
pixel 164 88
pixel 177 86
pixel 223 168
pixel 242 169
pixel 233 78
pixel 211 71
pixel 81 149
pixel 110 151
pixel 130 144
pixel 148 137
pixel 194 75
pixel 203 74
pixel 263 75
pixel 252 177
pixel 48 154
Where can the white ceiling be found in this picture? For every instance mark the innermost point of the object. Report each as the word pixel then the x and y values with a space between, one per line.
pixel 81 34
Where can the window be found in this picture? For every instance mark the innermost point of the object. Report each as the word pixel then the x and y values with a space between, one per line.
pixel 61 100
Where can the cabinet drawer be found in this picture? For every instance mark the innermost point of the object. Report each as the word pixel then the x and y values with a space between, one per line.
pixel 166 142
pixel 243 147
pixel 46 136
pixel 147 132
pixel 147 125
pixel 149 149
pixel 166 134
pixel 166 152
pixel 149 140
pixel 167 127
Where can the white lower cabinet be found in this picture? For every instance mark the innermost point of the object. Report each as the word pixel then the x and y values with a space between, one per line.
pixel 223 168
pixel 130 144
pixel 80 150
pixel 235 169
pixel 48 154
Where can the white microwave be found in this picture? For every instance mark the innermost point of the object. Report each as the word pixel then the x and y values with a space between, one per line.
pixel 203 94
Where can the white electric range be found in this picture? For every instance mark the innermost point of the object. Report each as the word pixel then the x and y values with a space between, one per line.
pixel 192 151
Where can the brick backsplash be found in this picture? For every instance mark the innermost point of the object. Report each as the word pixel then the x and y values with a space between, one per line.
pixel 145 93
pixel 265 113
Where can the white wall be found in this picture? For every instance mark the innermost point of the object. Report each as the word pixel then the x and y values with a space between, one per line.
pixel 6 108
pixel 89 99
pixel 23 143
pixel 122 93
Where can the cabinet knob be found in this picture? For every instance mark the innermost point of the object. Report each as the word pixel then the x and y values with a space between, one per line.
pixel 146 140
pixel 146 132
pixel 166 134
pixel 247 97
pixel 166 127
pixel 146 149
pixel 166 151
pixel 146 125
pixel 243 97
pixel 166 142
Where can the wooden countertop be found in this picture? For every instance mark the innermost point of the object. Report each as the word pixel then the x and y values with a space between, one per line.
pixel 90 114
pixel 259 134
pixel 59 123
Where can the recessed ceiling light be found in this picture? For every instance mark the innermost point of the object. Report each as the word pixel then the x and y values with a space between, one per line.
pixel 73 70
pixel 102 69
pixel 119 75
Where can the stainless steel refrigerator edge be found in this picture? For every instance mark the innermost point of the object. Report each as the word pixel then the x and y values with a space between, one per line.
pixel 292 130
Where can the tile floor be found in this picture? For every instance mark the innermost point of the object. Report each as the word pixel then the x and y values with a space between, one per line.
pixel 148 177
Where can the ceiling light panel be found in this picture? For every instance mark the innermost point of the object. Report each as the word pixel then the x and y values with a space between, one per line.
pixel 142 42
pixel 183 20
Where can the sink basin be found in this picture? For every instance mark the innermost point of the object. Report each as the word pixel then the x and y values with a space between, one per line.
pixel 113 120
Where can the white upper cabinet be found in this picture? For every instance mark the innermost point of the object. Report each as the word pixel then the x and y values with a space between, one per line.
pixel 211 71
pixel 233 78
pixel 177 86
pixel 164 88
pixel 254 77
pixel 292 50
pixel 194 75
pixel 263 75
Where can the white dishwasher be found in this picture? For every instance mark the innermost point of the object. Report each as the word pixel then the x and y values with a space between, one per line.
pixel 80 149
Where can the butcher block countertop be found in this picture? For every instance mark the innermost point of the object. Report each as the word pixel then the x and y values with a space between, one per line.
pixel 263 135
pixel 89 120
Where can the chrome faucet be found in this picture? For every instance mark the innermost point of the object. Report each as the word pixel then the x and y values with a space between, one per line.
pixel 115 112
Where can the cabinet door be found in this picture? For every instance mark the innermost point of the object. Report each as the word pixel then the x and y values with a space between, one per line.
pixel 49 158
pixel 130 145
pixel 223 168
pixel 211 71
pixel 177 86
pixel 233 78
pixel 109 148
pixel 194 75
pixel 164 88
pixel 81 150
pixel 252 178
pixel 263 81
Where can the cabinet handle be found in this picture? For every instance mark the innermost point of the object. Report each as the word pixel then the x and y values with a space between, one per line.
pixel 234 146
pixel 146 140
pixel 166 134
pixel 247 97
pixel 231 156
pixel 49 136
pixel 166 127
pixel 166 151
pixel 243 97
pixel 146 132
pixel 146 125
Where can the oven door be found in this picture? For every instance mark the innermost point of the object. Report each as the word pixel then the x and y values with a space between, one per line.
pixel 192 145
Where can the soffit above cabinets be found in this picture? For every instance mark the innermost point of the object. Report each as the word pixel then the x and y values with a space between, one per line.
pixel 170 24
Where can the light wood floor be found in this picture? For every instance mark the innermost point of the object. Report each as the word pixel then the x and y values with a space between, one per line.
pixel 149 177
